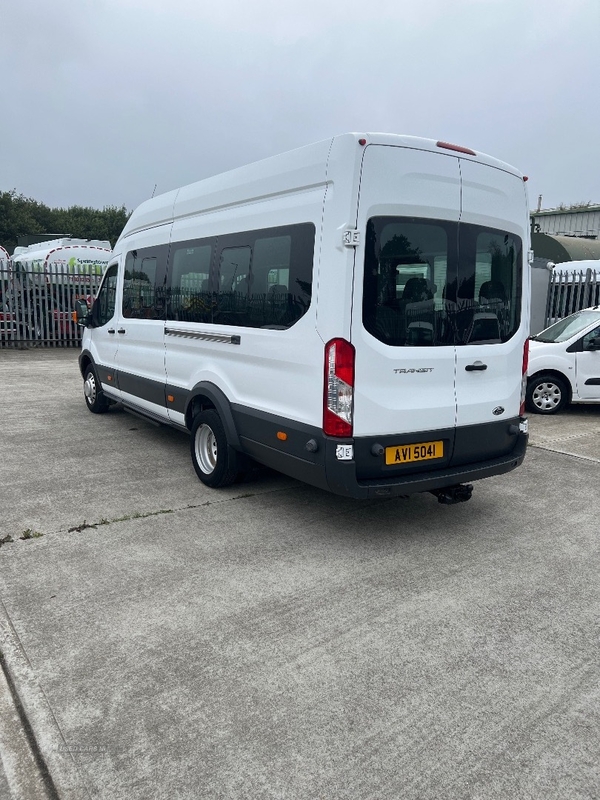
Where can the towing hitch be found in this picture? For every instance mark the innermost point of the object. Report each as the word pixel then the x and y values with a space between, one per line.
pixel 450 495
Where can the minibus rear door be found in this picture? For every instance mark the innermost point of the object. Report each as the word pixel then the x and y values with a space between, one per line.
pixel 405 356
pixel 492 324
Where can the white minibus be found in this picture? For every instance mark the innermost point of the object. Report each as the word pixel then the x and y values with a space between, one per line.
pixel 353 314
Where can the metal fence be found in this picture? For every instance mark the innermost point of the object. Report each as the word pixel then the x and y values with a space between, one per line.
pixel 570 292
pixel 37 309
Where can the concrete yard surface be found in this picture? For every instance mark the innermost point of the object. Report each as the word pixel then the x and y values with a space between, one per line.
pixel 270 640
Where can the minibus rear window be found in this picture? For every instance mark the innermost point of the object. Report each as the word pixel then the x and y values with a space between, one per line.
pixel 432 282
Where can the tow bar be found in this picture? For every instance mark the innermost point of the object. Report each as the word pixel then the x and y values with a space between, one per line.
pixel 450 495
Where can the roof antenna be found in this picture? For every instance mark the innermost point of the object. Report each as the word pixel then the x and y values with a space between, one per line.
pixel 153 190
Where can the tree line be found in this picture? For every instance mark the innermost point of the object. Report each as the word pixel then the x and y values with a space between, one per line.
pixel 23 216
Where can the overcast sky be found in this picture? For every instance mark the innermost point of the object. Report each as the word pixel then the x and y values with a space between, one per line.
pixel 103 99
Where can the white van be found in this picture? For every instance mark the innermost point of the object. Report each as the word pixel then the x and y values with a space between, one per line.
pixel 564 363
pixel 353 314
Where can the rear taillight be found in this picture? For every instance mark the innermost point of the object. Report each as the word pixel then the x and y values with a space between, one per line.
pixel 524 376
pixel 338 389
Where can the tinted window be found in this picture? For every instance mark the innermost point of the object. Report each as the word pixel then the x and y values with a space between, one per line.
pixel 104 305
pixel 258 278
pixel 143 284
pixel 589 337
pixel 430 282
pixel 233 286
pixel 190 295
pixel 489 285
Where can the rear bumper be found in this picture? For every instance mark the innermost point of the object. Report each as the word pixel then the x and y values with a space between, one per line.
pixel 472 453
pixel 342 476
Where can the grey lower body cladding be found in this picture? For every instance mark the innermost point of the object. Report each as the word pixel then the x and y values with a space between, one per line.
pixel 302 451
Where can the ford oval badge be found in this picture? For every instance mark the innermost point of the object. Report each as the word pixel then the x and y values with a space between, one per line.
pixel 497 411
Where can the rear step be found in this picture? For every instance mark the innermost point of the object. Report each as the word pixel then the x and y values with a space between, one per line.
pixel 450 495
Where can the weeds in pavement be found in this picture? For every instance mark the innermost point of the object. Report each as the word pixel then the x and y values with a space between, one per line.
pixel 138 515
pixel 31 534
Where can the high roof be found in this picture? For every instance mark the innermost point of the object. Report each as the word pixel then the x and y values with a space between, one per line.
pixel 304 167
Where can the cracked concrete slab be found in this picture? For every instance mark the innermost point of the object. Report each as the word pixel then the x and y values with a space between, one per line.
pixel 20 776
pixel 575 431
pixel 61 465
pixel 274 641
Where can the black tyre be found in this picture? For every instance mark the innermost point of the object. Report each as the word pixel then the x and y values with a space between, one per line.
pixel 546 394
pixel 94 396
pixel 215 461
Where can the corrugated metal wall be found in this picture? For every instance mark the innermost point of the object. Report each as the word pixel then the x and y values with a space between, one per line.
pixel 573 223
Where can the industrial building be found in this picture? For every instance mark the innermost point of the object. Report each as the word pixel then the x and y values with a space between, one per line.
pixel 581 221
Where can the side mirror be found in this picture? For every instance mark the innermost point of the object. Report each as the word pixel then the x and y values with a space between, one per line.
pixel 81 315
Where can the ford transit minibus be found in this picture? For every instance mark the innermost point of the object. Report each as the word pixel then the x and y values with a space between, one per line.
pixel 353 314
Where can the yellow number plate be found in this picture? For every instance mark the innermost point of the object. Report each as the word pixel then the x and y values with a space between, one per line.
pixel 406 453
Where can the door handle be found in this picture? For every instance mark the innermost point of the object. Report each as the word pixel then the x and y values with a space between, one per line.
pixel 476 367
pixel 121 330
pixel 111 330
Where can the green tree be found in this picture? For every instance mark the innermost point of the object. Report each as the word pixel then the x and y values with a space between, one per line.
pixel 18 217
pixel 21 216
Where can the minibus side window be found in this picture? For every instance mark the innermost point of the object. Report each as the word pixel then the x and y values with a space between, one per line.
pixel 257 279
pixel 233 286
pixel 272 304
pixel 143 283
pixel 190 295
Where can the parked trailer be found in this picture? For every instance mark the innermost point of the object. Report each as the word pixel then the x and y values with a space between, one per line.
pixel 354 314
pixel 47 278
pixel 56 261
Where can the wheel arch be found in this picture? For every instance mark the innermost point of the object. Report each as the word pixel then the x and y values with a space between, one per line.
pixel 206 395
pixel 85 359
